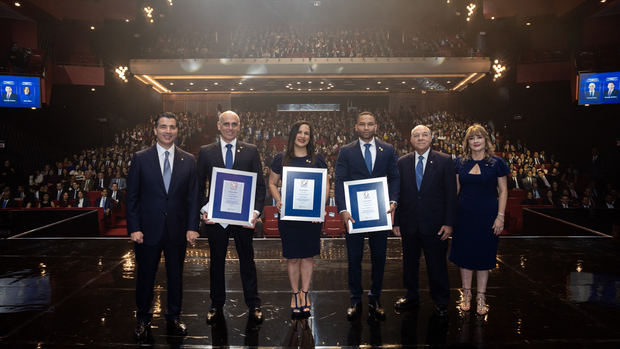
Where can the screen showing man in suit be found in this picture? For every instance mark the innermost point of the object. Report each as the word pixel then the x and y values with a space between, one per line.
pixel 162 216
pixel 9 95
pixel 611 91
pixel 592 92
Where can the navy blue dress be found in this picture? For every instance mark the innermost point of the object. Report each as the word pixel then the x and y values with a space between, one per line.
pixel 474 246
pixel 299 239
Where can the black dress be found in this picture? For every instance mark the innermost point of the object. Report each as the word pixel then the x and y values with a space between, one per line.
pixel 299 239
pixel 474 246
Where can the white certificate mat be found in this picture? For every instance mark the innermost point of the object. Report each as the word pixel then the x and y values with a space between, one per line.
pixel 368 201
pixel 303 194
pixel 231 196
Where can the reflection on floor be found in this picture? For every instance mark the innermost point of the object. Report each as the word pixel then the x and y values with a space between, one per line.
pixel 545 292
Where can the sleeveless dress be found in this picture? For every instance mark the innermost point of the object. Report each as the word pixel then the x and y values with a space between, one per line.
pixel 474 246
pixel 299 239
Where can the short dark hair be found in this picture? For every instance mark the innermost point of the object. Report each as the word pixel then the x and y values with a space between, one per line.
pixel 364 113
pixel 166 115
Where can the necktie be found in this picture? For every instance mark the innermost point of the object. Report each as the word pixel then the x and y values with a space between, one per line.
pixel 229 157
pixel 167 171
pixel 368 157
pixel 58 196
pixel 419 171
pixel 4 203
pixel 103 201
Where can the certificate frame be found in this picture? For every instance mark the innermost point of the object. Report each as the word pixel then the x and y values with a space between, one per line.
pixel 380 187
pixel 291 175
pixel 216 212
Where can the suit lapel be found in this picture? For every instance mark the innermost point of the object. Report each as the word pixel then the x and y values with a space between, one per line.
pixel 155 164
pixel 218 155
pixel 429 171
pixel 240 150
pixel 176 166
pixel 359 156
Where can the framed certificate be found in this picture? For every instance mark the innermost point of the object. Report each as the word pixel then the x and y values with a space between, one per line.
pixel 303 194
pixel 232 195
pixel 368 202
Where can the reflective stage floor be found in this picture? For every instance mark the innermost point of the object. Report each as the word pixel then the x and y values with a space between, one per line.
pixel 545 292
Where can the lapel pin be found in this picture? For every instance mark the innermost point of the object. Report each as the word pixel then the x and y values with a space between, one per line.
pixel 308 161
pixel 380 149
pixel 182 159
pixel 431 161
pixel 238 150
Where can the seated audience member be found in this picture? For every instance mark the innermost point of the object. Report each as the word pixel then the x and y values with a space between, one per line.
pixel 65 201
pixel 6 200
pixel 81 201
pixel 529 199
pixel 116 195
pixel 609 201
pixel 75 188
pixel 101 182
pixel 120 181
pixel 564 201
pixel 549 199
pixel 105 202
pixel 58 191
pixel 513 181
pixel 20 194
pixel 46 201
pixel 586 202
pixel 30 200
pixel 536 193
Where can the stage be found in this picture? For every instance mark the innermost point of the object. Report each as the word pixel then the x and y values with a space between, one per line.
pixel 79 292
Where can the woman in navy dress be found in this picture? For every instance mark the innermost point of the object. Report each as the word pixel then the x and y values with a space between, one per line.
pixel 482 196
pixel 301 241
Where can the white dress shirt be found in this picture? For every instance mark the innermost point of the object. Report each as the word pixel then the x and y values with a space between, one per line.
pixel 162 157
pixel 373 150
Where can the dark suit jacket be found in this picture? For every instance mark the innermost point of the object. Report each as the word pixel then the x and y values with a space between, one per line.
pixel 86 202
pixel 10 204
pixel 614 93
pixel 246 159
pixel 98 187
pixel 435 204
pixel 351 166
pixel 11 98
pixel 109 203
pixel 153 211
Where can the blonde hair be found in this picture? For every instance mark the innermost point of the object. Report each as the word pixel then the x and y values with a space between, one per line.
pixel 477 130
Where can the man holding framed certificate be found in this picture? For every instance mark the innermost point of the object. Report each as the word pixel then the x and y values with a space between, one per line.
pixel 230 153
pixel 366 158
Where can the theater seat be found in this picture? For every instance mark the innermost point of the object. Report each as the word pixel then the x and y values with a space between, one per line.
pixel 270 223
pixel 333 226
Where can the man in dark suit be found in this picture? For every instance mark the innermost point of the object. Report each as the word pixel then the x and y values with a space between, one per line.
pixel 9 96
pixel 611 91
pixel 514 182
pixel 6 201
pixel 424 219
pixel 162 214
pixel 591 92
pixel 106 202
pixel 367 157
pixel 229 152
pixel 58 192
pixel 117 196
pixel 101 182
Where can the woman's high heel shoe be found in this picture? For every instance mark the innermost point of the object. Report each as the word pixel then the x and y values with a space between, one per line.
pixel 305 308
pixel 464 303
pixel 296 310
pixel 482 308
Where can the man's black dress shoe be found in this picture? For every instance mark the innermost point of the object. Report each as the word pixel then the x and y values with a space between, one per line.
pixel 214 315
pixel 375 310
pixel 142 329
pixel 440 310
pixel 354 311
pixel 176 327
pixel 256 315
pixel 404 304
